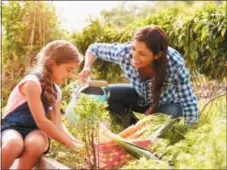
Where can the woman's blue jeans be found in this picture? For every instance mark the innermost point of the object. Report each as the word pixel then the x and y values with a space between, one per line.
pixel 124 99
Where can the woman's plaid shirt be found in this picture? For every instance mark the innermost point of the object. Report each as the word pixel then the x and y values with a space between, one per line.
pixel 177 87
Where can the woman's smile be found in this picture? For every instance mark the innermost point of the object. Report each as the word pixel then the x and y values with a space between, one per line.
pixel 136 63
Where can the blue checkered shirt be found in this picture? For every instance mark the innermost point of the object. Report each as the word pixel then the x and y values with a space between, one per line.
pixel 176 88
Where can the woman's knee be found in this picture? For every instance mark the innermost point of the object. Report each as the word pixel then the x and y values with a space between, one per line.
pixel 119 91
pixel 36 143
pixel 173 109
pixel 12 142
pixel 122 93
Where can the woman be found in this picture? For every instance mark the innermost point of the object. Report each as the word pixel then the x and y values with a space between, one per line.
pixel 159 81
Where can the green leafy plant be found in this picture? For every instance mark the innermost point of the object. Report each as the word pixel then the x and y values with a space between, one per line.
pixel 90 113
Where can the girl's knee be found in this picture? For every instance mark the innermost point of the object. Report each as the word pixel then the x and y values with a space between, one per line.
pixel 36 143
pixel 13 145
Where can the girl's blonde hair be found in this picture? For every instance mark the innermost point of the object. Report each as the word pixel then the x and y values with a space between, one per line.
pixel 59 52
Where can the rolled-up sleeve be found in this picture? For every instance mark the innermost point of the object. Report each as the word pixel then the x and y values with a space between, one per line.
pixel 187 98
pixel 108 52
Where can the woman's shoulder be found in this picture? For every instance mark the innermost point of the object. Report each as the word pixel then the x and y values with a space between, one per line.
pixel 175 63
pixel 126 49
pixel 174 57
pixel 127 45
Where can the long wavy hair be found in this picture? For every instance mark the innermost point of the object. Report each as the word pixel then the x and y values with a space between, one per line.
pixel 59 52
pixel 156 41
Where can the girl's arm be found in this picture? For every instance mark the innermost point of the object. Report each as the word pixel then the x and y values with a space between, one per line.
pixel 61 126
pixel 32 93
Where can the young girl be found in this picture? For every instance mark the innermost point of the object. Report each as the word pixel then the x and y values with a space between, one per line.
pixel 159 80
pixel 32 114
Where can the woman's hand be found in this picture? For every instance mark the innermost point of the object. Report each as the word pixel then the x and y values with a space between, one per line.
pixel 84 74
pixel 149 111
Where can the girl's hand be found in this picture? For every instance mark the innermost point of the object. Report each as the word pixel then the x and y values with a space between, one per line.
pixel 78 141
pixel 75 145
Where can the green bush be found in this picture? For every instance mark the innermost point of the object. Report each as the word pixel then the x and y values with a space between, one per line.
pixel 27 26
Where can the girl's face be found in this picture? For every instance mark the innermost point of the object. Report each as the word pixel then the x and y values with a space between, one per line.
pixel 62 72
pixel 141 56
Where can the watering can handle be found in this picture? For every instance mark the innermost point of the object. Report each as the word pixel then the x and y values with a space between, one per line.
pixel 97 83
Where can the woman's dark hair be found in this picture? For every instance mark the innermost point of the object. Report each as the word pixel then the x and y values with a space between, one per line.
pixel 156 41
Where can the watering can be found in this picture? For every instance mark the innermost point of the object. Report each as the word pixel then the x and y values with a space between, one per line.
pixel 94 89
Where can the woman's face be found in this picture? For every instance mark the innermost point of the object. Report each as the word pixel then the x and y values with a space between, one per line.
pixel 141 56
pixel 61 72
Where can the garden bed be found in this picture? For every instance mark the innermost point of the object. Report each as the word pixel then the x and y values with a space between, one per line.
pixel 44 163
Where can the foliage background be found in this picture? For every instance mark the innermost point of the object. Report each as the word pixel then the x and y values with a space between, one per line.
pixel 197 31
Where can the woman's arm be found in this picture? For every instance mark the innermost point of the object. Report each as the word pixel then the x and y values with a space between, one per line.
pixel 111 52
pixel 108 52
pixel 187 98
pixel 32 93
